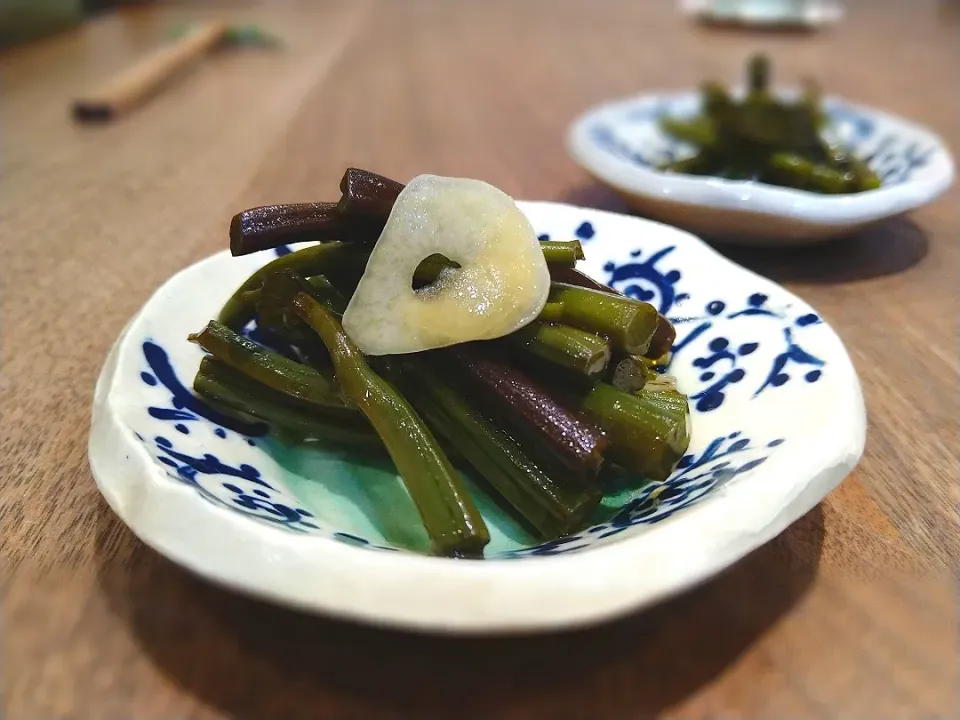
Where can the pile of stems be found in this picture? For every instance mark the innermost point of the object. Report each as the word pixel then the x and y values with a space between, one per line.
pixel 767 140
pixel 538 414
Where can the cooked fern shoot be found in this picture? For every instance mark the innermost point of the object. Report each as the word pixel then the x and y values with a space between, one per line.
pixel 429 326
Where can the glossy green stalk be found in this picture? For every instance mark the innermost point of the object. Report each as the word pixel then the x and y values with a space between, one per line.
pixel 699 164
pixel 661 390
pixel 810 102
pixel 227 388
pixel 698 131
pixel 552 508
pixel 552 313
pixel 322 287
pixel 796 171
pixel 550 375
pixel 670 401
pixel 716 99
pixel 448 512
pixel 566 346
pixel 864 177
pixel 277 372
pixel 562 253
pixel 431 268
pixel 277 321
pixel 330 296
pixel 628 324
pixel 275 314
pixel 557 254
pixel 762 138
pixel 867 179
pixel 663 337
pixel 647 436
pixel 329 259
pixel 758 73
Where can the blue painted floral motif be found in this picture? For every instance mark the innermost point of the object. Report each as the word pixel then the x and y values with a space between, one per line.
pixel 584 231
pixel 249 492
pixel 860 127
pixel 721 354
pixel 792 354
pixel 604 137
pixel 721 366
pixel 186 407
pixel 892 156
pixel 694 477
pixel 261 501
pixel 643 281
pixel 253 332
pixel 894 161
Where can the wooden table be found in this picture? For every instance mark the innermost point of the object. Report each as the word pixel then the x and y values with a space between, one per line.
pixel 850 612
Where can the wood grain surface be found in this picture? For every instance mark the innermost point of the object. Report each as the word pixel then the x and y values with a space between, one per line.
pixel 850 612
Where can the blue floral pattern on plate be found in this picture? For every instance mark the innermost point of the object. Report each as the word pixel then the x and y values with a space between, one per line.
pixel 713 337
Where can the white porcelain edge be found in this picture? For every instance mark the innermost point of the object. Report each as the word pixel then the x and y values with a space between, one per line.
pixel 476 597
pixel 815 14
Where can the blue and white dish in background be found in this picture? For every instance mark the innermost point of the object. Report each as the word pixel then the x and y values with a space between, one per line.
pixel 621 144
pixel 777 416
pixel 765 13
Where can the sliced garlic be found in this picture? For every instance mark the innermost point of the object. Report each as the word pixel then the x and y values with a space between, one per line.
pixel 501 286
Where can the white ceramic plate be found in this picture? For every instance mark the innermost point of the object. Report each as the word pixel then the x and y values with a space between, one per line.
pixel 777 416
pixel 621 144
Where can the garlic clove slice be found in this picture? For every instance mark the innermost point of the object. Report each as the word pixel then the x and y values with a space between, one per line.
pixel 501 286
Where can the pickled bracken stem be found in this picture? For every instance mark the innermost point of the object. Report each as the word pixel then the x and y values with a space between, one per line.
pixel 286 376
pixel 566 346
pixel 553 508
pixel 448 512
pixel 550 433
pixel 227 388
pixel 628 324
pixel 328 259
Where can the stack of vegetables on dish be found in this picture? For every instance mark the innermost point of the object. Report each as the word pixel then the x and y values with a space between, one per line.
pixel 429 322
pixel 767 140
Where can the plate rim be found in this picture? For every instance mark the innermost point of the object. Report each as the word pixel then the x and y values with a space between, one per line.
pixel 344 582
pixel 757 199
pixel 826 12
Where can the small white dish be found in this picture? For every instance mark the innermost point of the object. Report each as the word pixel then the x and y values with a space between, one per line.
pixel 621 144
pixel 766 13
pixel 777 416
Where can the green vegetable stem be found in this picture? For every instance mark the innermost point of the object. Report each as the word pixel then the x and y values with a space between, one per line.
pixel 551 507
pixel 448 512
pixel 286 376
pixel 566 346
pixel 329 259
pixel 227 388
pixel 628 324
pixel 647 435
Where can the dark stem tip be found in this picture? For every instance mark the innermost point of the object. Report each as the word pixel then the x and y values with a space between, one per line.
pixel 92 112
